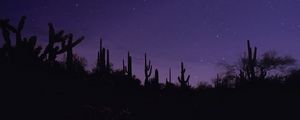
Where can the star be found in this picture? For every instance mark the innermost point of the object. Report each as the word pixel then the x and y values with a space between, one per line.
pixel 218 36
pixel 76 5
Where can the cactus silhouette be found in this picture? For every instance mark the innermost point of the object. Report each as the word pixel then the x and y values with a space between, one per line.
pixel 27 77
pixel 184 82
pixel 251 61
pixel 108 65
pixel 69 49
pixel 147 70
pixel 248 66
pixel 169 80
pixel 127 70
pixel 156 77
pixel 19 30
pixel 52 51
pixel 129 65
pixel 6 27
pixel 103 63
pixel 23 45
pixel 124 69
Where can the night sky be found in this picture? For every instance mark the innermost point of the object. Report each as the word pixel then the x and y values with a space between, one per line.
pixel 202 33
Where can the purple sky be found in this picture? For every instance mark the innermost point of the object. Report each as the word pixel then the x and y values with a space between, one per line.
pixel 201 33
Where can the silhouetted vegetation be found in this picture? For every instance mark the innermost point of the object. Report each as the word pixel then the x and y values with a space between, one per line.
pixel 38 86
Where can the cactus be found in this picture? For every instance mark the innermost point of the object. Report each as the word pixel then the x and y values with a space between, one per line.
pixel 5 31
pixel 69 49
pixel 251 62
pixel 148 70
pixel 169 81
pixel 108 66
pixel 19 30
pixel 25 48
pixel 129 65
pixel 52 51
pixel 127 70
pixel 153 83
pixel 184 82
pixel 31 43
pixel 101 58
pixel 156 77
pixel 124 69
pixel 22 44
pixel 103 63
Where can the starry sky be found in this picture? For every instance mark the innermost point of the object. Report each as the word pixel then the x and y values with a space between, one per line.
pixel 202 33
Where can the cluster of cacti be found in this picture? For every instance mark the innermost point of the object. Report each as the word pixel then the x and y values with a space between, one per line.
pixel 184 82
pixel 25 48
pixel 60 43
pixel 128 70
pixel 252 70
pixel 52 51
pixel 22 43
pixel 169 81
pixel 249 64
pixel 147 70
pixel 103 63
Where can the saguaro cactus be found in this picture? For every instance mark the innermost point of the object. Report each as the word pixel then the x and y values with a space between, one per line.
pixel 103 63
pixel 169 81
pixel 124 69
pixel 108 66
pixel 129 65
pixel 19 30
pixel 184 82
pixel 69 49
pixel 156 77
pixel 5 26
pixel 127 70
pixel 251 62
pixel 23 45
pixel 51 51
pixel 148 70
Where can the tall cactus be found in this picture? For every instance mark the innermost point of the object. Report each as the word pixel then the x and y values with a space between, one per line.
pixel 19 30
pixel 148 70
pixel 27 47
pixel 6 32
pixel 129 65
pixel 153 83
pixel 51 50
pixel 184 82
pixel 23 45
pixel 124 69
pixel 169 81
pixel 251 62
pixel 69 49
pixel 103 63
pixel 128 70
pixel 108 66
pixel 101 58
pixel 156 77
